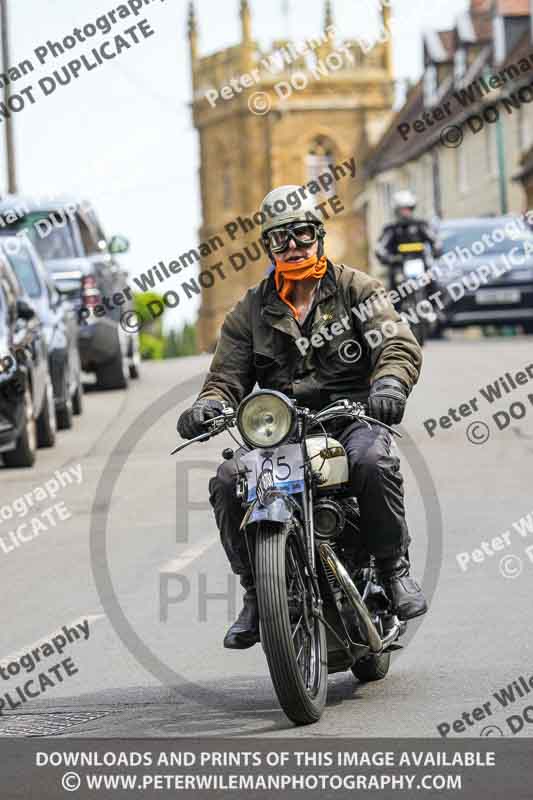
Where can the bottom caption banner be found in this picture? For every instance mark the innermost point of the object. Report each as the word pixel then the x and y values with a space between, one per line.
pixel 250 768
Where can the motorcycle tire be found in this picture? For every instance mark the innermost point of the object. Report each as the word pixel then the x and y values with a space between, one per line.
pixel 301 688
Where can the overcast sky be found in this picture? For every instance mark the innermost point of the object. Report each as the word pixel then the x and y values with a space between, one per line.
pixel 121 135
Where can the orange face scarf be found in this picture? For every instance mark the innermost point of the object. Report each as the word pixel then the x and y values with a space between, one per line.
pixel 287 273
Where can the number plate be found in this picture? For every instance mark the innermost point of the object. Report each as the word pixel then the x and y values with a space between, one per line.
pixel 286 463
pixel 414 267
pixel 498 296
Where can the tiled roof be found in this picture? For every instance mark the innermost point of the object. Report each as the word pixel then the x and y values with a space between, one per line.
pixel 392 150
pixel 512 8
pixel 482 24
pixel 480 5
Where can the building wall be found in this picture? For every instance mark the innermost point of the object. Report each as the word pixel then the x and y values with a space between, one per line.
pixel 470 173
pixel 469 181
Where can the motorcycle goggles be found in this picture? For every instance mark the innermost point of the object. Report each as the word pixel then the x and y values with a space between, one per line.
pixel 303 234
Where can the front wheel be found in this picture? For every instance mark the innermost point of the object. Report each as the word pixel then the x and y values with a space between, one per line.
pixel 26 447
pixel 292 634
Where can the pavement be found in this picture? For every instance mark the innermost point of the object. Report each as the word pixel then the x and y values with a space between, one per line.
pixel 136 563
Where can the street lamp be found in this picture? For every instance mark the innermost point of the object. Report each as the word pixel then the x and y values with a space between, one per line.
pixel 9 137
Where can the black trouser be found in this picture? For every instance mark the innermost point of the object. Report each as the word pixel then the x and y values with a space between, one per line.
pixel 375 479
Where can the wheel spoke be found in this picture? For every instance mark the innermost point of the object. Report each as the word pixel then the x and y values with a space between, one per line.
pixel 297 627
pixel 304 630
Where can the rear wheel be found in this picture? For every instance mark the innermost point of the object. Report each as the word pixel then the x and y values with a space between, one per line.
pixel 113 375
pixel 77 399
pixel 292 635
pixel 25 451
pixel 64 414
pixel 135 358
pixel 46 421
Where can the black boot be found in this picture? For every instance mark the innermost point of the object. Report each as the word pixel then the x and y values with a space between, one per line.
pixel 403 591
pixel 244 632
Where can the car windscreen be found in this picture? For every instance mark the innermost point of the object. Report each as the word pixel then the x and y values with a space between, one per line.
pixel 25 271
pixel 49 232
pixel 490 236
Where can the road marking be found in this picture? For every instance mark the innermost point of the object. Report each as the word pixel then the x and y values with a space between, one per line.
pixel 90 618
pixel 186 558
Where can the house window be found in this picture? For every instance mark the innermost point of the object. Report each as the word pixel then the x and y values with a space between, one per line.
pixel 320 158
pixel 459 66
pixel 386 192
pixel 498 31
pixel 430 84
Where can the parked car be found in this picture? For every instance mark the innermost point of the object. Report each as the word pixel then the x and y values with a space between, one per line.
pixel 503 244
pixel 61 327
pixel 69 238
pixel 27 418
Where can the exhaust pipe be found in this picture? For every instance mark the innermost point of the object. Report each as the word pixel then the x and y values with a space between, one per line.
pixel 373 639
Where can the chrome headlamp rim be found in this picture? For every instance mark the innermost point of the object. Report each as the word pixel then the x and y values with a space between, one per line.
pixel 273 393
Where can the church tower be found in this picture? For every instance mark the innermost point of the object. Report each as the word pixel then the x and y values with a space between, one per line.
pixel 284 116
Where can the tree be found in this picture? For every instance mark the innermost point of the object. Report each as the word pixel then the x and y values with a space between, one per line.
pixel 150 308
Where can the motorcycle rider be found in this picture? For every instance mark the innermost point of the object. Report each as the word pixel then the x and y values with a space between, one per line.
pixel 405 230
pixel 305 294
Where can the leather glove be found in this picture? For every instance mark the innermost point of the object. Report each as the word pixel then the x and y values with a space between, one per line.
pixel 190 422
pixel 387 400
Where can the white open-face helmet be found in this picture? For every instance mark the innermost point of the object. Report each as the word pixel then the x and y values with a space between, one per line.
pixel 289 206
pixel 284 205
pixel 404 199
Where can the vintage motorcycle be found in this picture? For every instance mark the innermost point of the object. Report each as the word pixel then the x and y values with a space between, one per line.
pixel 321 609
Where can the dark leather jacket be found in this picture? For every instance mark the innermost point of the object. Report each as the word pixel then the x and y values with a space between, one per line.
pixel 258 343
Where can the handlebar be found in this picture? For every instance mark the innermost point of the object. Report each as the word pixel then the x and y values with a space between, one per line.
pixel 344 408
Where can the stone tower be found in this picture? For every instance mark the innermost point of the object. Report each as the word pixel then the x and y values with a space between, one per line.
pixel 282 116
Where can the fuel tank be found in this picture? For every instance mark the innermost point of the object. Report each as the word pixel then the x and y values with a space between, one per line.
pixel 331 461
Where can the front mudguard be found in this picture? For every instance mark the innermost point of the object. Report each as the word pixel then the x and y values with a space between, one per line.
pixel 280 510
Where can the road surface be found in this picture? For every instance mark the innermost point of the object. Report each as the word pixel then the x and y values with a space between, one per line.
pixel 155 595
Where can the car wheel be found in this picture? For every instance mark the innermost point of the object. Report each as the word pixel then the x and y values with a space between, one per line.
pixel 77 398
pixel 134 370
pixel 25 451
pixel 113 375
pixel 528 327
pixel 64 414
pixel 46 421
pixel 135 359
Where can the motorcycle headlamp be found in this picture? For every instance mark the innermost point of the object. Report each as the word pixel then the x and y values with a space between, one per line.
pixel 266 418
